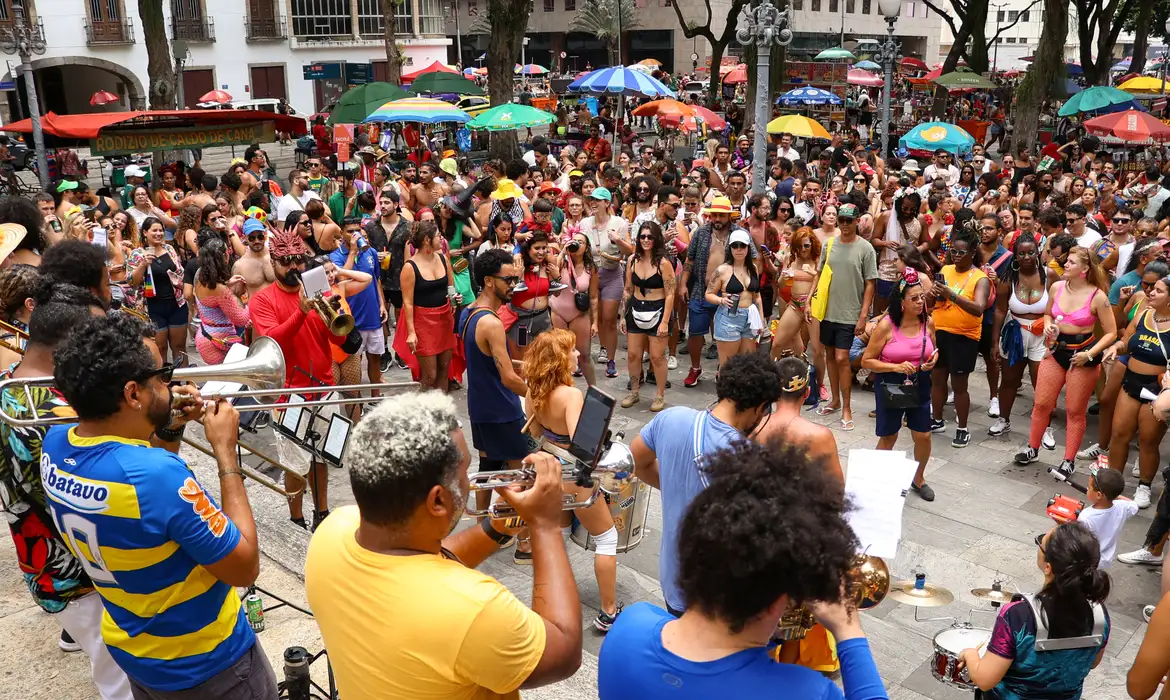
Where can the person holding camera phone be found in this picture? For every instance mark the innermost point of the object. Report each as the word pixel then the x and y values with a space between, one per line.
pixel 578 312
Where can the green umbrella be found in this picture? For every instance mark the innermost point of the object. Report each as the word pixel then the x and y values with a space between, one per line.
pixel 964 80
pixel 1101 98
pixel 444 83
pixel 510 116
pixel 835 54
pixel 361 101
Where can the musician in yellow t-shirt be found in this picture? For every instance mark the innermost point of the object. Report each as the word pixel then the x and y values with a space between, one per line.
pixel 402 612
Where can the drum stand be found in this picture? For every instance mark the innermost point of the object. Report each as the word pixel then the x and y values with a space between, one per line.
pixel 297 685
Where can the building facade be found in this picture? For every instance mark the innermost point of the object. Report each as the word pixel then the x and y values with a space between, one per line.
pixel 252 49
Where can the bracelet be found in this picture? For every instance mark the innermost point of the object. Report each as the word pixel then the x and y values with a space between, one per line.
pixel 169 434
pixel 496 536
pixel 229 472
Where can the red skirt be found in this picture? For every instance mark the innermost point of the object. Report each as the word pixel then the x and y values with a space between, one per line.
pixel 434 329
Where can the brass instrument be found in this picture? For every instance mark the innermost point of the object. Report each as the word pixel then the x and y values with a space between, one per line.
pixel 12 338
pixel 263 368
pixel 337 322
pixel 868 583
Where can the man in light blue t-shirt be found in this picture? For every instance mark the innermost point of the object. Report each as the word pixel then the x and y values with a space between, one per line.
pixel 666 453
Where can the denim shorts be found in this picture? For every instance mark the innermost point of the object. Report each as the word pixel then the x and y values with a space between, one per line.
pixel 857 349
pixel 731 329
pixel 166 314
pixel 699 315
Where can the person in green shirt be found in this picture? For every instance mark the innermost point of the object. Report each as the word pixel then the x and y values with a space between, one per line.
pixel 342 202
pixel 319 178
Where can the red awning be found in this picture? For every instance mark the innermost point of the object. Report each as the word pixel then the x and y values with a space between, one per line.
pixel 87 126
pixel 435 67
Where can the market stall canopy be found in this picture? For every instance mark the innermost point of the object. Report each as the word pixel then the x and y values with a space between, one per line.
pixel 701 117
pixel 808 95
pixel 964 80
pixel 835 54
pixel 1130 126
pixel 1099 99
pixel 620 81
pixel 360 102
pixel 934 135
pixel 219 97
pixel 867 65
pixel 445 84
pixel 88 126
pixel 1143 85
pixel 421 110
pixel 1071 87
pixel 799 126
pixel 435 67
pixel 510 116
pixel 858 76
pixel 725 69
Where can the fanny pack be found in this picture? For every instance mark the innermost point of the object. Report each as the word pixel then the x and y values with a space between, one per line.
pixel 646 319
pixel 459 264
pixel 580 299
pixel 1069 345
pixel 905 395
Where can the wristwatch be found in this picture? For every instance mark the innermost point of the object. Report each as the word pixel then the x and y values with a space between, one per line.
pixel 497 537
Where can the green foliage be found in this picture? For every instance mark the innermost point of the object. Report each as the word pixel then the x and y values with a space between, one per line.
pixel 606 19
pixel 1157 26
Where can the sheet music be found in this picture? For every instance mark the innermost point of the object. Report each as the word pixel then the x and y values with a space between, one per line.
pixel 876 483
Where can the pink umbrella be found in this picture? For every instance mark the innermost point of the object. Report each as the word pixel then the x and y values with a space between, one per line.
pixel 216 96
pixel 103 97
pixel 857 76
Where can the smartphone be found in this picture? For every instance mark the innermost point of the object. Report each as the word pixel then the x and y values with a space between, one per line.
pixel 939 278
pixel 592 426
pixel 522 337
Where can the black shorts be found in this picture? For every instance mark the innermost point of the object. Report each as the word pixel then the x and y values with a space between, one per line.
pixel 394 296
pixel 500 441
pixel 1133 383
pixel 768 299
pixel 956 353
pixel 986 342
pixel 837 335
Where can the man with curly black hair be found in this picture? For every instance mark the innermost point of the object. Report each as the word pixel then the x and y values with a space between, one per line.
pixel 740 573
pixel 81 264
pixel 162 554
pixel 670 449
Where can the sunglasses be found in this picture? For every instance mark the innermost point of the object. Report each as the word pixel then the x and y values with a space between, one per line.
pixel 846 219
pixel 164 373
pixel 738 246
pixel 511 280
pixel 1120 220
pixel 256 236
pixel 313 164
pixel 290 260
pixel 642 189
pixel 304 222
pixel 1040 542
pixel 645 237
pixel 1073 219
pixel 1147 285
pixel 860 179
pixel 807 245
pixel 785 210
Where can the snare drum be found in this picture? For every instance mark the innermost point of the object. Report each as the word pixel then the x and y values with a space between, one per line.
pixel 948 644
pixel 629 507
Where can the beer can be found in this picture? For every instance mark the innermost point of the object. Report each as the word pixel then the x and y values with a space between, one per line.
pixel 56 225
pixel 734 302
pixel 254 609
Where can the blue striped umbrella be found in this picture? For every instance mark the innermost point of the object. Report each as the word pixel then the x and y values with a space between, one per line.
pixel 620 81
pixel 808 96
pixel 867 65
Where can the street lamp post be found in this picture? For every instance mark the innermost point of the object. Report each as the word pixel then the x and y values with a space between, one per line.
pixel 763 25
pixel 887 55
pixel 25 40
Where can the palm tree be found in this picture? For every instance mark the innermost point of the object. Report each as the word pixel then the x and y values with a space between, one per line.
pixel 607 20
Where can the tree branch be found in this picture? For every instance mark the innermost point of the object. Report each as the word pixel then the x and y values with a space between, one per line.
pixel 1115 30
pixel 690 32
pixel 1016 21
pixel 945 15
pixel 732 17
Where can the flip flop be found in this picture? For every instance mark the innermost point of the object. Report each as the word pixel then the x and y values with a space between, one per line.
pixel 825 410
pixel 846 425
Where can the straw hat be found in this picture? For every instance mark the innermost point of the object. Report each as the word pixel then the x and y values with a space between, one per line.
pixel 507 189
pixel 720 205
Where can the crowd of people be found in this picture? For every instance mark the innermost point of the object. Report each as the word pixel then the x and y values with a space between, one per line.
pixel 848 271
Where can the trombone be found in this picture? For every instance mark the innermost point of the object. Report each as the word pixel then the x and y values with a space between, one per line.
pixel 12 337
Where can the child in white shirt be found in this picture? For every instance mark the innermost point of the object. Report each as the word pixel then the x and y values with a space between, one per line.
pixel 1108 511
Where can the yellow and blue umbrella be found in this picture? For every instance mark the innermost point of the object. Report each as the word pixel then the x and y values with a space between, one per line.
pixel 932 136
pixel 419 110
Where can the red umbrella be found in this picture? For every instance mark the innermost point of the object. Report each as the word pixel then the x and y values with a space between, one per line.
pixel 102 97
pixel 857 76
pixel 217 96
pixel 739 75
pixel 1130 125
pixel 911 62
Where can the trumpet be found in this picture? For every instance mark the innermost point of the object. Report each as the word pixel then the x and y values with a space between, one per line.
pixel 12 337
pixel 867 584
pixel 613 471
pixel 337 322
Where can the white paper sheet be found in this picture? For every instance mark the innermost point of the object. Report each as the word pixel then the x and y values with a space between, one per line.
pixel 315 281
pixel 876 482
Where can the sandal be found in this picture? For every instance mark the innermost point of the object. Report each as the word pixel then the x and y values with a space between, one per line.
pixel 825 410
pixel 846 425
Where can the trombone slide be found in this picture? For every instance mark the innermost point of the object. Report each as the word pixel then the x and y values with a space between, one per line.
pixel 486 481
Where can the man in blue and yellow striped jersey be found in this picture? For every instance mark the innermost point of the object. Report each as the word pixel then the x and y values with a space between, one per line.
pixel 160 551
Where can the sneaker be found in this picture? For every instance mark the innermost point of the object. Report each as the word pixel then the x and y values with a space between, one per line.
pixel 611 369
pixel 318 519
pixel 522 558
pixel 712 352
pixel 557 287
pixel 950 398
pixel 385 361
pixel 1141 497
pixel 1027 455
pixel 962 438
pixel 1095 409
pixel 604 621
pixel 521 287
pixel 631 399
pixel 657 404
pixel 399 362
pixel 66 643
pixel 672 362
pixel 693 376
pixel 1049 439
pixel 993 408
pixel 299 522
pixel 1067 467
pixel 602 356
pixel 1091 452
pixel 1140 556
pixel 1147 612
pixel 938 426
pixel 1000 426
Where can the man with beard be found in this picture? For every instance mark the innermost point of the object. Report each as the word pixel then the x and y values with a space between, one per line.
pixel 668 453
pixel 736 188
pixel 599 151
pixel 387 235
pixel 705 254
pixel 255 266
pixel 124 506
pixel 642 189
pixel 282 312
pixel 299 194
pixel 457 632
pixel 785 150
pixel 427 192
pixel 721 168
pixel 765 235
pixel 808 209
pixel 493 386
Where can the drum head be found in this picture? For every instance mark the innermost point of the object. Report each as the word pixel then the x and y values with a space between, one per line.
pixel 957 639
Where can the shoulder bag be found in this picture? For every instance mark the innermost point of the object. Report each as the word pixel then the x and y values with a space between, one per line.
pixel 820 300
pixel 903 396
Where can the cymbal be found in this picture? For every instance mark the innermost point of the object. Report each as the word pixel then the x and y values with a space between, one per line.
pixel 993 595
pixel 929 596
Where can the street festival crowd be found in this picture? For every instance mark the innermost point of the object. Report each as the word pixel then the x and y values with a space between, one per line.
pixel 854 271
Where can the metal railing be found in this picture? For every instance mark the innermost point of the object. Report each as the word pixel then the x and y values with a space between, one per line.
pixel 267 28
pixel 200 29
pixel 118 31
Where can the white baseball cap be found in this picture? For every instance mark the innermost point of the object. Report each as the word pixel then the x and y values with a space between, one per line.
pixel 739 236
pixel 135 171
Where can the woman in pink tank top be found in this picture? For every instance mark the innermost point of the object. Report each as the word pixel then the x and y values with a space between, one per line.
pixel 580 273
pixel 901 354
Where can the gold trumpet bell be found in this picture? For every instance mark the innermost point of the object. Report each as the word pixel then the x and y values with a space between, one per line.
pixel 869 582
pixel 337 322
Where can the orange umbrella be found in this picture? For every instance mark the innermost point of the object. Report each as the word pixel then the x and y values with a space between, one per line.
pixel 103 97
pixel 663 108
pixel 739 75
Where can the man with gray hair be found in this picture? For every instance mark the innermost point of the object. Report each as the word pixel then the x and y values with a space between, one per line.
pixel 402 611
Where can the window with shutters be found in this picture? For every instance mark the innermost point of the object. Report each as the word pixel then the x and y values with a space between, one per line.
pixel 323 19
pixel 189 22
pixel 105 22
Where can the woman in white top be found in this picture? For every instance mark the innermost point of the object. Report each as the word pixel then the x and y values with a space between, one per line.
pixel 609 236
pixel 144 207
pixel 1021 300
